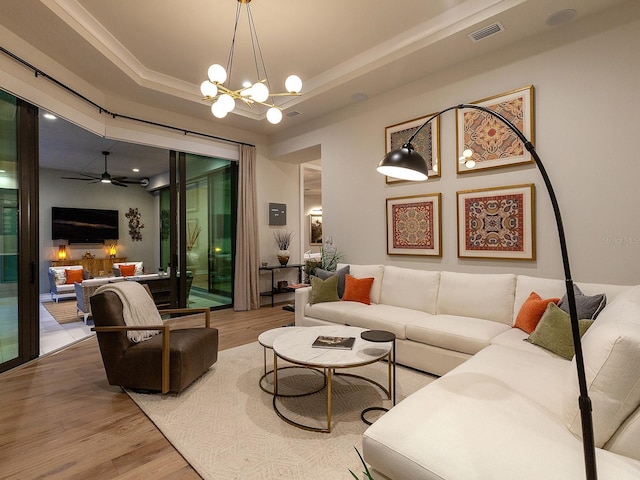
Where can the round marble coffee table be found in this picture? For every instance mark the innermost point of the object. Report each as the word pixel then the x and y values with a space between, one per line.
pixel 296 347
pixel 266 339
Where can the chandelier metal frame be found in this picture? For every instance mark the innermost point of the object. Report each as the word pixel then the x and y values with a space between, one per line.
pixel 223 97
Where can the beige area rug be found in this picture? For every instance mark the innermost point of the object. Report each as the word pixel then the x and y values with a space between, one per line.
pixel 226 428
pixel 63 311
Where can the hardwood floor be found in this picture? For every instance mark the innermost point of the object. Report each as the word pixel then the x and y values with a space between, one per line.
pixel 59 418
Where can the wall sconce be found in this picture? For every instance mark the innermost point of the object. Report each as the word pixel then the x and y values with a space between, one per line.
pixel 62 252
pixel 112 250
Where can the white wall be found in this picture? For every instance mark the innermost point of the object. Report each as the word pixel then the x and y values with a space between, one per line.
pixel 55 192
pixel 587 96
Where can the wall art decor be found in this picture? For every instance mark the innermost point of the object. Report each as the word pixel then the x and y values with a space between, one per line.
pixel 426 143
pixel 413 225
pixel 135 225
pixel 497 223
pixel 315 230
pixel 493 144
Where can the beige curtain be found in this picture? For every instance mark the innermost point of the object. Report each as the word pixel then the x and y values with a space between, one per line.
pixel 246 284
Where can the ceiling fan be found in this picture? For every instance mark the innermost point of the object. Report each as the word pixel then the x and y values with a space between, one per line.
pixel 106 178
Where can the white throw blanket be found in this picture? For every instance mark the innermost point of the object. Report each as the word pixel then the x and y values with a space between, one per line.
pixel 138 308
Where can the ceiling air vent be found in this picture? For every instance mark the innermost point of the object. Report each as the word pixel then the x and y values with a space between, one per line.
pixel 486 32
pixel 293 114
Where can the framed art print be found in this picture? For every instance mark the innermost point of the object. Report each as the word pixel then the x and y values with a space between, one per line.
pixel 413 225
pixel 497 223
pixel 426 143
pixel 494 145
pixel 315 229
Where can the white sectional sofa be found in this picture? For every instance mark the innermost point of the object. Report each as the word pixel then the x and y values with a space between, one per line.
pixel 503 408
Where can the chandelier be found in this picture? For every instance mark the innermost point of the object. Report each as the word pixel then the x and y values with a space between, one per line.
pixel 224 98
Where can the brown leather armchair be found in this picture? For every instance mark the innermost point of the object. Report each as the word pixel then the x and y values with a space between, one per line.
pixel 167 362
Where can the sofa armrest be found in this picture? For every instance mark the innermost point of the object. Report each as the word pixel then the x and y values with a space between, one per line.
pixel 53 288
pixel 301 299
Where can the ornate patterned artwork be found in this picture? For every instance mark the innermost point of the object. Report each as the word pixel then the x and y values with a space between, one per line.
pixel 497 223
pixel 413 225
pixel 426 143
pixel 492 142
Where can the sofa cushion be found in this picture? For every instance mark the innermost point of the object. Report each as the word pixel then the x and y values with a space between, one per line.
pixel 531 312
pixel 139 270
pixel 554 333
pixel 485 296
pixel 335 312
pixel 452 332
pixel 363 271
pixel 516 339
pixel 357 289
pixel 409 288
pixel 324 290
pixel 386 317
pixel 59 275
pixel 127 270
pixel 611 351
pixel 73 275
pixel 586 306
pixel 324 274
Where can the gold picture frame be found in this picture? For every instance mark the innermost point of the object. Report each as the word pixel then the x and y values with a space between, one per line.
pixel 426 143
pixel 497 222
pixel 494 145
pixel 413 225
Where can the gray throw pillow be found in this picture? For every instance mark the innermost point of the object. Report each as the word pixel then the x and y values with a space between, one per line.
pixel 324 274
pixel 588 307
pixel 324 290
pixel 553 332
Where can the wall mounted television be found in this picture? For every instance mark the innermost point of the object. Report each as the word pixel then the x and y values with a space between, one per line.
pixel 84 225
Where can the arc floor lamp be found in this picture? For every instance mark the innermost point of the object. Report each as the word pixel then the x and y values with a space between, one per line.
pixel 407 164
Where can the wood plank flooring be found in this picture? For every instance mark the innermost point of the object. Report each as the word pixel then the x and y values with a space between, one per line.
pixel 59 418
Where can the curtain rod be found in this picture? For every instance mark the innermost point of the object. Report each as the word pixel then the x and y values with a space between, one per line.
pixel 101 109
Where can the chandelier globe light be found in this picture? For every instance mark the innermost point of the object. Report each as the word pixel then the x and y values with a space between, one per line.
pixel 224 98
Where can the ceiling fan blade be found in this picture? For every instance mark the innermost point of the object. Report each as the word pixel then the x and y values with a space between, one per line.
pixel 118 183
pixel 77 178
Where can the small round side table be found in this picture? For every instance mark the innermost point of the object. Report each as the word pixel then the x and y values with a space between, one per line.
pixel 381 336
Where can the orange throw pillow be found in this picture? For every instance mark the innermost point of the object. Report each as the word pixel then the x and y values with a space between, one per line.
pixel 127 270
pixel 531 312
pixel 357 289
pixel 75 275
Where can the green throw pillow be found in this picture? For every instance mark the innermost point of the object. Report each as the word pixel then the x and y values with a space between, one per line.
pixel 553 332
pixel 324 290
pixel 324 274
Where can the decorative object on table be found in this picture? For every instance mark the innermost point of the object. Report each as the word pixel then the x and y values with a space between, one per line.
pixel 493 143
pixel 329 258
pixel 427 142
pixel 315 229
pixel 341 343
pixel 413 225
pixel 224 97
pixel 112 250
pixel 407 164
pixel 135 225
pixel 497 223
pixel 62 252
pixel 283 240
pixel 264 264
pixel 88 256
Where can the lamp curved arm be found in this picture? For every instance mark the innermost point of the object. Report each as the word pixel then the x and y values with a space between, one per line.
pixel 584 401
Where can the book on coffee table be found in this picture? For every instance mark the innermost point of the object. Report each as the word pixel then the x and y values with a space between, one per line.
pixel 342 343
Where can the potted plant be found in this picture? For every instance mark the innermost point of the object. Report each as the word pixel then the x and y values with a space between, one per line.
pixel 283 240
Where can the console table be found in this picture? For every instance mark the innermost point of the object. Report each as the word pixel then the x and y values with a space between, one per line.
pixel 274 291
pixel 92 265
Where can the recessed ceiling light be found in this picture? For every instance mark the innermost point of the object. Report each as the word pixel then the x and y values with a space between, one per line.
pixel 135 169
pixel 49 116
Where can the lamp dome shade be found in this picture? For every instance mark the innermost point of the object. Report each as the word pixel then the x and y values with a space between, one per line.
pixel 404 163
pixel 293 84
pixel 259 92
pixel 217 73
pixel 208 89
pixel 274 115
pixel 218 110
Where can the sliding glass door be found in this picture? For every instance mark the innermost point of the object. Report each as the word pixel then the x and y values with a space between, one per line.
pixel 19 229
pixel 206 201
